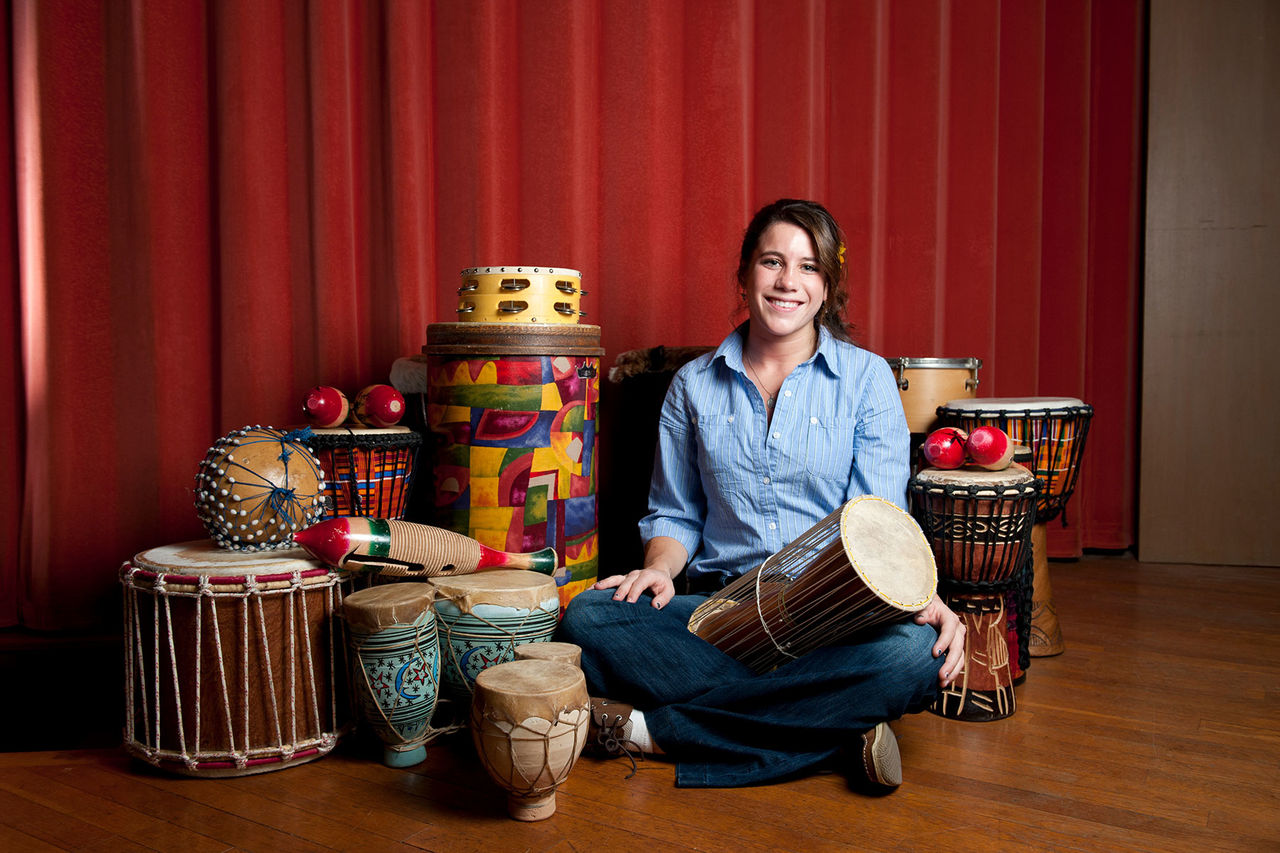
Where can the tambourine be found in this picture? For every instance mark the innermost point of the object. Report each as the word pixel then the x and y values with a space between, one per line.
pixel 520 295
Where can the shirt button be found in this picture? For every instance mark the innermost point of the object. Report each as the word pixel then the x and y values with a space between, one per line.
pixel 730 418
pixel 813 420
pixel 773 526
pixel 786 393
pixel 777 435
pixel 766 481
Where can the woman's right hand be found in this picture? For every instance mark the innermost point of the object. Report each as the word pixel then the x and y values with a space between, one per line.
pixel 633 584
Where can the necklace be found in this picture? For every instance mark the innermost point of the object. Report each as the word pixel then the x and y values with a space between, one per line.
pixel 770 397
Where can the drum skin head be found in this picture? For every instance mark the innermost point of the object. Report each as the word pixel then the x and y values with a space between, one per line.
pixel 1014 475
pixel 889 552
pixel 1013 405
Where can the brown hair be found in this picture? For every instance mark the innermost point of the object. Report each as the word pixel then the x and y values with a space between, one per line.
pixel 828 241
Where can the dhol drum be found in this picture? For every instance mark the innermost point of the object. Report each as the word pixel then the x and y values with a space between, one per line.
pixel 484 617
pixel 233 661
pixel 529 720
pixel 865 564
pixel 395 665
pixel 926 383
pixel 569 653
pixel 520 294
pixel 1055 429
pixel 979 523
pixel 368 471
pixel 513 412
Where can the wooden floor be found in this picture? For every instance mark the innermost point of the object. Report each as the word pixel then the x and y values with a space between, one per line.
pixel 1158 729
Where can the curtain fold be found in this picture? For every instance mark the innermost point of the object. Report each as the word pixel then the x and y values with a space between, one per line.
pixel 212 206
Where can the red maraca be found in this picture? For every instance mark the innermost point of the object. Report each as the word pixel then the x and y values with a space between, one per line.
pixel 379 406
pixel 944 448
pixel 989 447
pixel 325 406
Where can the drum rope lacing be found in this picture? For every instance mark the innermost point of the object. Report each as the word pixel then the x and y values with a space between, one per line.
pixel 514 636
pixel 240 753
pixel 359 645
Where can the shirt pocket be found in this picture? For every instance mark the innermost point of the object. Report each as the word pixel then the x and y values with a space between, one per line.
pixel 724 450
pixel 823 449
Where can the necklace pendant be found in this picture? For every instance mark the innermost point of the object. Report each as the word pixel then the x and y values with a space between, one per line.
pixel 771 401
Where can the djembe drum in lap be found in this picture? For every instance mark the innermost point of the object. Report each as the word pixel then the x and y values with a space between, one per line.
pixel 233 666
pixel 1055 429
pixel 979 523
pixel 865 564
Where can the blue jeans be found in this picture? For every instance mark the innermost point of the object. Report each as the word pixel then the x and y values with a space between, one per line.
pixel 725 725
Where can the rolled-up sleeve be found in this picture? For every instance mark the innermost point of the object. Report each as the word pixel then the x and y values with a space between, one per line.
pixel 677 504
pixel 882 441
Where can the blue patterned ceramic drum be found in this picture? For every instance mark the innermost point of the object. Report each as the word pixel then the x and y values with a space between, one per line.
pixel 483 618
pixel 395 663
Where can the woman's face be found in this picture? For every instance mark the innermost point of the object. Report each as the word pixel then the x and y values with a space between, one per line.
pixel 784 289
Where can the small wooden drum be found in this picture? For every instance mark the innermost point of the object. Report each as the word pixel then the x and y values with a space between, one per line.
pixel 395 665
pixel 520 295
pixel 529 720
pixel 1055 428
pixel 563 652
pixel 485 616
pixel 865 564
pixel 513 412
pixel 979 523
pixel 926 383
pixel 368 470
pixel 232 663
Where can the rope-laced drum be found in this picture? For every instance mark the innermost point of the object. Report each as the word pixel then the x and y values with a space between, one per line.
pixel 979 523
pixel 865 564
pixel 1055 429
pixel 232 664
pixel 368 470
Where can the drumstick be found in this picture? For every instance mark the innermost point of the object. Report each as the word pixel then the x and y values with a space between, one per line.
pixel 407 548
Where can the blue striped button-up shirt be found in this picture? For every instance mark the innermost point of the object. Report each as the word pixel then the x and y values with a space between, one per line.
pixel 734 488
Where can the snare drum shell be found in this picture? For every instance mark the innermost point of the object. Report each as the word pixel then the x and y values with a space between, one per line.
pixel 513 412
pixel 256 666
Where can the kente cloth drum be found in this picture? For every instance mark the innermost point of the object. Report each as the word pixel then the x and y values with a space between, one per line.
pixel 926 383
pixel 233 659
pixel 1055 428
pixel 520 294
pixel 979 523
pixel 529 721
pixel 865 564
pixel 368 470
pixel 512 410
pixel 569 653
pixel 395 665
pixel 484 617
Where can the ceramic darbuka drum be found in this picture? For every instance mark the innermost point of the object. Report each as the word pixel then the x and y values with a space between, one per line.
pixel 926 383
pixel 484 617
pixel 863 565
pixel 1055 429
pixel 368 470
pixel 529 720
pixel 233 659
pixel 395 663
pixel 979 523
pixel 513 410
pixel 520 294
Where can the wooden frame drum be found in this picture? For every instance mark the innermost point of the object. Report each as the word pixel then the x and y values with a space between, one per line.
pixel 233 659
pixel 926 383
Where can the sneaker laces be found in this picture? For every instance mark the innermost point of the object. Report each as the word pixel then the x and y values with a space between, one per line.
pixel 611 737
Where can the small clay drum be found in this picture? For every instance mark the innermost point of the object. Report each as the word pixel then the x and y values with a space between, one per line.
pixel 569 653
pixel 368 470
pixel 529 721
pixel 863 565
pixel 395 664
pixel 229 665
pixel 520 294
pixel 926 383
pixel 485 616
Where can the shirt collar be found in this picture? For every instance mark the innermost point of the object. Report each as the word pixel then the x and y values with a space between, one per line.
pixel 731 348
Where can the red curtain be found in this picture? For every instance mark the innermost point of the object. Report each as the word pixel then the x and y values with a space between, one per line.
pixel 213 206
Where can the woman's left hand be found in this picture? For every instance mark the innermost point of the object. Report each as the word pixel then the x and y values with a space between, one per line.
pixel 950 638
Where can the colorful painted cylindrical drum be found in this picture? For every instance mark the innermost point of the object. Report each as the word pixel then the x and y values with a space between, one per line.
pixel 512 408
pixel 484 617
pixel 395 665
